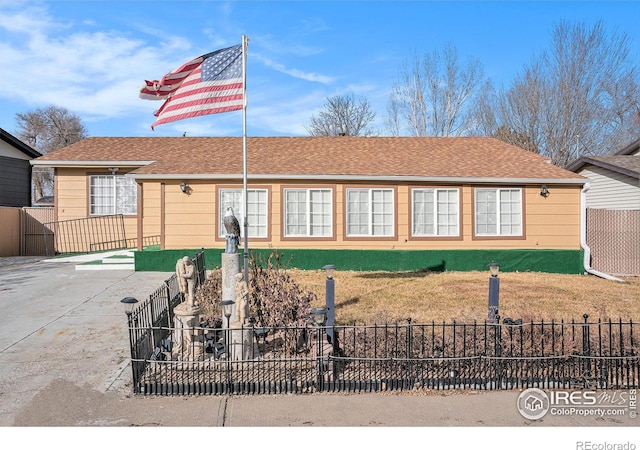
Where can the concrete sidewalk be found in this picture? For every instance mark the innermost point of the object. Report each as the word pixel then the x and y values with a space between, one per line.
pixel 64 362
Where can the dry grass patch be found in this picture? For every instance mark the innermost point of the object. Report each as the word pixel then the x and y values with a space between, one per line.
pixel 367 297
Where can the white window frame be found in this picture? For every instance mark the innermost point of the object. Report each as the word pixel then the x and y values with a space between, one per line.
pixel 238 210
pixel 305 217
pixel 115 193
pixel 371 213
pixel 500 213
pixel 452 208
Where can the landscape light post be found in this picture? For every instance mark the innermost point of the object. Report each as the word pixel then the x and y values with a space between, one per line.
pixel 129 303
pixel 330 300
pixel 227 310
pixel 494 291
pixel 319 317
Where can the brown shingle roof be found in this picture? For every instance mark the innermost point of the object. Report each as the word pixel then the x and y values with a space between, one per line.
pixel 626 164
pixel 459 157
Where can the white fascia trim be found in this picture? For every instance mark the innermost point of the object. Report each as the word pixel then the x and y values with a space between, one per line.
pixel 89 164
pixel 193 176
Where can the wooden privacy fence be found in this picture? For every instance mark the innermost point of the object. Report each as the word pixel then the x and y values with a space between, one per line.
pixel 614 239
pixel 35 237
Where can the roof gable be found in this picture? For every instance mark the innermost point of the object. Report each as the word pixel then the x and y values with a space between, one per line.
pixel 624 164
pixel 18 144
pixel 363 157
pixel 631 149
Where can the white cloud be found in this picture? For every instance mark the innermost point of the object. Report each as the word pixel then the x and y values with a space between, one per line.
pixel 295 73
pixel 93 74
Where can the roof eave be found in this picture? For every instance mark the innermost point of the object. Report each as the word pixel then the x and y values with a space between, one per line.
pixel 18 144
pixel 629 148
pixel 88 164
pixel 369 178
pixel 608 166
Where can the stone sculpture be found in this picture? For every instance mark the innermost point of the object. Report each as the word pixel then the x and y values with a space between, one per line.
pixel 242 303
pixel 186 274
pixel 232 226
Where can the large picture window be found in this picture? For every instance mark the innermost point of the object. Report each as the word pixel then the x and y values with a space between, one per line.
pixel 498 212
pixel 257 209
pixel 370 212
pixel 436 212
pixel 112 194
pixel 308 213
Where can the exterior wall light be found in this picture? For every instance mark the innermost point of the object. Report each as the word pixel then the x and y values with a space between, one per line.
pixel 544 191
pixel 184 187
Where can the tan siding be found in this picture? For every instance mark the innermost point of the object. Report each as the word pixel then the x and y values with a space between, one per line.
pixel 71 190
pixel 151 211
pixel 191 220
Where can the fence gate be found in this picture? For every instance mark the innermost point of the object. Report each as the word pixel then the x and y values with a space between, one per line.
pixel 32 238
pixel 614 239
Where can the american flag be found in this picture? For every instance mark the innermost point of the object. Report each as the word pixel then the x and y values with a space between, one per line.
pixel 209 84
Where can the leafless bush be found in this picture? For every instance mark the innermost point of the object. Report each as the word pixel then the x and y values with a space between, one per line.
pixel 276 299
pixel 208 296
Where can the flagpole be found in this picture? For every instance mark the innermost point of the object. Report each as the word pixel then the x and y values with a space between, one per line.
pixel 245 41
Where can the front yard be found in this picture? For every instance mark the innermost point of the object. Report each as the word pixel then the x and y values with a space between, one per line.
pixel 367 297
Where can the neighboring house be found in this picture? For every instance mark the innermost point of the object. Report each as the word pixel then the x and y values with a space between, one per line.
pixel 15 170
pixel 365 202
pixel 613 209
pixel 614 179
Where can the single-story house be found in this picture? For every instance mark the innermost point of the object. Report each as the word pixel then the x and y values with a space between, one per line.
pixel 613 209
pixel 447 203
pixel 15 170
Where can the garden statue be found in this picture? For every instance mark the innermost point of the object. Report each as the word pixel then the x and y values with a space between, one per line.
pixel 186 274
pixel 232 226
pixel 242 303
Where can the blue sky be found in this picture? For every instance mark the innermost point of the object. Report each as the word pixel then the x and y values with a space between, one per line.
pixel 91 57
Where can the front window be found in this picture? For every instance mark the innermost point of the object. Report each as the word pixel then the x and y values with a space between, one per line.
pixel 370 212
pixel 308 213
pixel 498 212
pixel 112 194
pixel 257 209
pixel 435 212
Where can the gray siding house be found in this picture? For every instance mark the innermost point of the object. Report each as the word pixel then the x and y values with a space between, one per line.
pixel 15 170
pixel 614 179
pixel 612 199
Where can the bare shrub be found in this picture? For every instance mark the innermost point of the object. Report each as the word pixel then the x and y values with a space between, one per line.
pixel 276 300
pixel 208 296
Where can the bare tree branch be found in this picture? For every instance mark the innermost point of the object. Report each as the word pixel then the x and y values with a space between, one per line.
pixel 343 116
pixel 579 97
pixel 46 130
pixel 433 94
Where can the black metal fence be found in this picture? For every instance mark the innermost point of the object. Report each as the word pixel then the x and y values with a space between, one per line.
pixel 90 234
pixel 86 235
pixel 369 358
pixel 149 324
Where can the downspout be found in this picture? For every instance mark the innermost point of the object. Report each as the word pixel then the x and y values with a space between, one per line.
pixel 583 237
